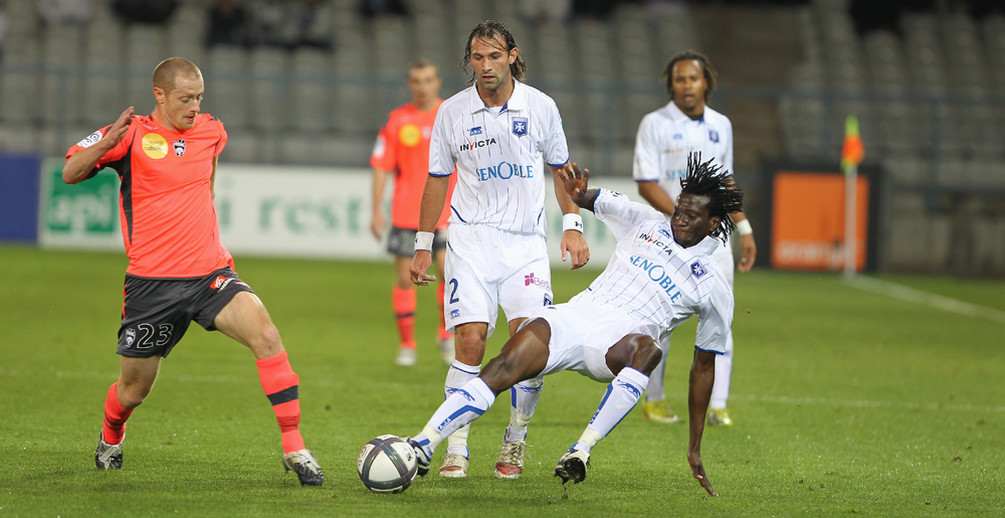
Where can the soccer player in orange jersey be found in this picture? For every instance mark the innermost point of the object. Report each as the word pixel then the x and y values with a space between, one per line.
pixel 178 269
pixel 402 149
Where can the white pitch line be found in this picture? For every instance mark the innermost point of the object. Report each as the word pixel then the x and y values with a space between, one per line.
pixel 926 298
pixel 867 404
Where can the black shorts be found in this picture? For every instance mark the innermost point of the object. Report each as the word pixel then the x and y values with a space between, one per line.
pixel 401 241
pixel 156 312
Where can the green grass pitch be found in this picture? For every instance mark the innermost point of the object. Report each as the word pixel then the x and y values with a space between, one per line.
pixel 846 402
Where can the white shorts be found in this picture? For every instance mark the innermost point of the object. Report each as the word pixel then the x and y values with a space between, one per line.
pixel 582 333
pixel 486 268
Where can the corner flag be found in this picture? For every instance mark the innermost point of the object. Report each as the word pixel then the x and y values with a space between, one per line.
pixel 853 151
pixel 851 156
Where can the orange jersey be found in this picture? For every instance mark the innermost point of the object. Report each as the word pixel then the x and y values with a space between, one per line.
pixel 403 147
pixel 169 223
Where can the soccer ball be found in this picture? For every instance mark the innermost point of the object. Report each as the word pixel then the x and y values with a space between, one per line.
pixel 387 464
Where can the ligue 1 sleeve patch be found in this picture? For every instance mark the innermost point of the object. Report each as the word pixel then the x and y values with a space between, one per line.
pixel 520 126
pixel 90 140
pixel 697 269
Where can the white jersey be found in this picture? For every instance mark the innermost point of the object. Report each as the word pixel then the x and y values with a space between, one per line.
pixel 498 154
pixel 667 135
pixel 655 280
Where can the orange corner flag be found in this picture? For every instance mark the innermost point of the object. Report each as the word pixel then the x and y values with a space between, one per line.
pixel 853 151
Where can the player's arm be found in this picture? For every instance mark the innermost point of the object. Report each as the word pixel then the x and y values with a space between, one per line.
pixel 377 221
pixel 653 193
pixel 699 393
pixel 434 195
pixel 85 160
pixel 573 242
pixel 748 249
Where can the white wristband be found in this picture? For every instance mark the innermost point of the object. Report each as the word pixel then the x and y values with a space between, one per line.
pixel 423 241
pixel 743 228
pixel 572 222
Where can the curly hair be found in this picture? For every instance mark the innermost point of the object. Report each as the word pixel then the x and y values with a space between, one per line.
pixel 489 30
pixel 725 197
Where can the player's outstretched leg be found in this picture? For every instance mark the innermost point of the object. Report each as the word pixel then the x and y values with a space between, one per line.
pixel 455 462
pixel 281 386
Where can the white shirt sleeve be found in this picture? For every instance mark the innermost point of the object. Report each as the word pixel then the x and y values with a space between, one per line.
pixel 646 165
pixel 620 214
pixel 441 159
pixel 714 319
pixel 556 146
pixel 727 159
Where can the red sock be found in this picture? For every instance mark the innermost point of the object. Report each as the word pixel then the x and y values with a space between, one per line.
pixel 115 417
pixel 403 303
pixel 281 386
pixel 442 332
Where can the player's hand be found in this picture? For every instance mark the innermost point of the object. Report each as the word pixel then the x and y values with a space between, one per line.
pixel 575 181
pixel 748 253
pixel 119 128
pixel 420 265
pixel 574 245
pixel 377 223
pixel 698 471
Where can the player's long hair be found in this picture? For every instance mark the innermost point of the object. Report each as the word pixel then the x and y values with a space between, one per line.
pixel 711 77
pixel 725 197
pixel 488 30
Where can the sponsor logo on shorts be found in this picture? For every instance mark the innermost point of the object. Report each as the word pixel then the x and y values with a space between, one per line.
pixel 455 313
pixel 536 281
pixel 130 337
pixel 222 281
pixel 697 269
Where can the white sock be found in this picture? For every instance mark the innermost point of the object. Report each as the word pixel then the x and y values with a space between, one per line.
pixel 654 391
pixel 458 375
pixel 723 371
pixel 523 400
pixel 463 406
pixel 621 396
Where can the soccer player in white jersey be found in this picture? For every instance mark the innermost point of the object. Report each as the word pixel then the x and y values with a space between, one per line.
pixel 498 132
pixel 665 139
pixel 660 275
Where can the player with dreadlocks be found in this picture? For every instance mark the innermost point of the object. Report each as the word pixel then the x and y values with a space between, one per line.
pixel 660 275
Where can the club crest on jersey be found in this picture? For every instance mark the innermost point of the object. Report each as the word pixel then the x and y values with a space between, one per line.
pixel 179 148
pixel 477 130
pixel 520 126
pixel 697 269
pixel 713 135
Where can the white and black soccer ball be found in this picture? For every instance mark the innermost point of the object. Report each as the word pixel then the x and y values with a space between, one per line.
pixel 387 464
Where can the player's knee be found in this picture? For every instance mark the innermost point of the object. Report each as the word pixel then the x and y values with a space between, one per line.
pixel 467 343
pixel 132 395
pixel 647 354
